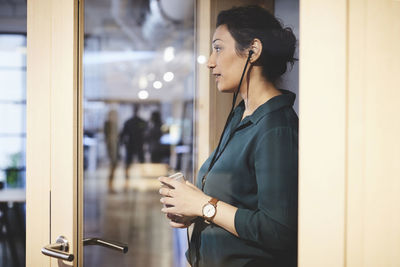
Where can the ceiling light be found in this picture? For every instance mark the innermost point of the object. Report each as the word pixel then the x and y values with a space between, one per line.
pixel 143 94
pixel 169 54
pixel 157 84
pixel 201 59
pixel 143 82
pixel 168 76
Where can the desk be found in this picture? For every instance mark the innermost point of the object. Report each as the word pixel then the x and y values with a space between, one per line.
pixel 16 196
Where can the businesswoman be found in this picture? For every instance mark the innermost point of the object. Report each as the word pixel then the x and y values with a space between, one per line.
pixel 244 205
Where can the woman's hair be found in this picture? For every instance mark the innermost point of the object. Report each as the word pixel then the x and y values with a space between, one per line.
pixel 246 23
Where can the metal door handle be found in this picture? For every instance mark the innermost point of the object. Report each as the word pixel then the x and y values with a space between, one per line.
pixel 58 250
pixel 105 243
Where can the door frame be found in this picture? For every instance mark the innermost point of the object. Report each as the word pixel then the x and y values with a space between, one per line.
pixel 349 147
pixel 54 128
pixel 337 222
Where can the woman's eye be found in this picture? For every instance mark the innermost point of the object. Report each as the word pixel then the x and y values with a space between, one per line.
pixel 217 48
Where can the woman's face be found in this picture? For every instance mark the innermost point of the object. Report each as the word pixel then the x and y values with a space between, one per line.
pixel 226 65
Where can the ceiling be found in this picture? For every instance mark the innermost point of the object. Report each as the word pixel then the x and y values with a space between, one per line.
pixel 125 44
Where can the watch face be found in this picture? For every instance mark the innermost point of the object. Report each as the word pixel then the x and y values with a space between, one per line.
pixel 209 211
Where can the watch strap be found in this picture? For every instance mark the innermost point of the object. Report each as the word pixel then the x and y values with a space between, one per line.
pixel 213 201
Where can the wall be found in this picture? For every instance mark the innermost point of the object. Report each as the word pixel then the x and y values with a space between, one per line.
pixel 349 147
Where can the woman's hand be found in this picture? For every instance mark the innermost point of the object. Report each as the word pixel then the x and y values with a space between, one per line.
pixel 185 201
pixel 181 200
pixel 178 221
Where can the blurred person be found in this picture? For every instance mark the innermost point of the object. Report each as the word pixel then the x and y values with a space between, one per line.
pixel 132 137
pixel 154 134
pixel 111 137
pixel 244 204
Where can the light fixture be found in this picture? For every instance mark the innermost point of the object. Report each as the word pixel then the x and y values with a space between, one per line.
pixel 201 59
pixel 143 82
pixel 168 76
pixel 157 84
pixel 143 94
pixel 169 54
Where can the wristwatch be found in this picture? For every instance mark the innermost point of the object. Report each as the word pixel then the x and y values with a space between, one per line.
pixel 210 209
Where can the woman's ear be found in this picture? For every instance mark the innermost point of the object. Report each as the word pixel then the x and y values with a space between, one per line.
pixel 256 47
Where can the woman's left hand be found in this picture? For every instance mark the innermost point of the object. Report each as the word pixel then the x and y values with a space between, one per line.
pixel 183 199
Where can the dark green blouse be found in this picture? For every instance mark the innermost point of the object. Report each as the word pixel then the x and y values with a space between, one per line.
pixel 257 173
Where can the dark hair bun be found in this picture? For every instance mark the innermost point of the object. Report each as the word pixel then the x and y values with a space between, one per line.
pixel 250 22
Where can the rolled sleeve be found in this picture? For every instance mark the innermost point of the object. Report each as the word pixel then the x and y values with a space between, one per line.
pixel 273 224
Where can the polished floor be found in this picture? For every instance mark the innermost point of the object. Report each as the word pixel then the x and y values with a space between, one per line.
pixel 12 238
pixel 129 216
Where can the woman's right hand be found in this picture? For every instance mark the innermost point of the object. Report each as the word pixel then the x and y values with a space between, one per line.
pixel 178 221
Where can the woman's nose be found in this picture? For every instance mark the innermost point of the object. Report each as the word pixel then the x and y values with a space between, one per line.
pixel 211 62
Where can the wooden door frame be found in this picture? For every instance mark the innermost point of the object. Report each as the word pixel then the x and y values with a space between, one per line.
pixel 54 128
pixel 349 147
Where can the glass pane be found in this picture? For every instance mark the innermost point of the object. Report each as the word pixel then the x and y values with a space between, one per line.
pixel 12 132
pixel 138 125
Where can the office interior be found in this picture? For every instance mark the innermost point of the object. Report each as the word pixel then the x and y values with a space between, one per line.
pixel 143 58
pixel 139 59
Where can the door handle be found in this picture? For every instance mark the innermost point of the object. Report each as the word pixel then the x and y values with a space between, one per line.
pixel 58 250
pixel 105 243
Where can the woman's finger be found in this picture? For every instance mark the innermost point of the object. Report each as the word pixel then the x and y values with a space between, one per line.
pixel 174 217
pixel 163 191
pixel 171 209
pixel 164 181
pixel 166 192
pixel 177 225
pixel 168 201
pixel 169 181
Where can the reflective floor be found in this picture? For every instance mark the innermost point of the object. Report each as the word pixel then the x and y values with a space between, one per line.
pixel 12 239
pixel 129 216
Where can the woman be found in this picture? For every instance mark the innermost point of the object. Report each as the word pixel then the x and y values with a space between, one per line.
pixel 245 203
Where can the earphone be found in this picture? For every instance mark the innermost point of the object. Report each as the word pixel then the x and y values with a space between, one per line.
pixel 217 153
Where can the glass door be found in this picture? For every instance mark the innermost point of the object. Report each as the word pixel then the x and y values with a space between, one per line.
pixel 138 102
